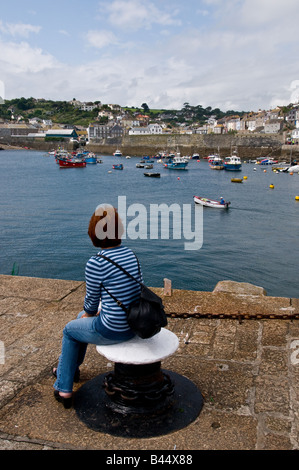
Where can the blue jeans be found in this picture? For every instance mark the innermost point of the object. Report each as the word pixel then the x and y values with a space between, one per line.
pixel 76 336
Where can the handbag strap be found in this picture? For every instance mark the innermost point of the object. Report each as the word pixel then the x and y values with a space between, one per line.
pixel 119 303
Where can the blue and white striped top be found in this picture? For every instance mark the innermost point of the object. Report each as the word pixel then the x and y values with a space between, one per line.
pixel 112 322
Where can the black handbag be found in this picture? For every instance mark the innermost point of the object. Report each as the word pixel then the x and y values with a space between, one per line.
pixel 146 316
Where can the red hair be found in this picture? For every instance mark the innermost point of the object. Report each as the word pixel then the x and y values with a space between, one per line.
pixel 105 227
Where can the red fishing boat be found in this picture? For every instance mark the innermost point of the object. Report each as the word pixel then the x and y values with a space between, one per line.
pixel 71 163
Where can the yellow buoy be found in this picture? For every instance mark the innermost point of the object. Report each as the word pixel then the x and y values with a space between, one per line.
pixel 271 186
pixel 244 177
pixel 297 198
pixel 236 180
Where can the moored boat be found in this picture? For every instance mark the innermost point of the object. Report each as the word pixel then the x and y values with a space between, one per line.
pixel 203 201
pixel 216 163
pixel 90 158
pixel 62 154
pixel 118 167
pixel 293 169
pixel 233 163
pixel 153 175
pixel 117 153
pixel 211 157
pixel 176 162
pixel 268 161
pixel 71 163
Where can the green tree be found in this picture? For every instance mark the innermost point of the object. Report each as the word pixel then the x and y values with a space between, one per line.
pixel 145 107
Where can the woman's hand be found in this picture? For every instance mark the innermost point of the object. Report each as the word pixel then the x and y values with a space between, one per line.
pixel 86 315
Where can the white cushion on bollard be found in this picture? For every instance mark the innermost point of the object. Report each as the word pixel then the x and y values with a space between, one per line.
pixel 142 351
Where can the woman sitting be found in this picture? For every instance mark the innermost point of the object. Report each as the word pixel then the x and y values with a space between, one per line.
pixel 109 325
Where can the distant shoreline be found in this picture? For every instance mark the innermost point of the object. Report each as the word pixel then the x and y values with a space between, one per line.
pixel 13 147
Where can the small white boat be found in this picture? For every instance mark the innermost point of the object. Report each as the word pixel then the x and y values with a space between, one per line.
pixel 203 201
pixel 294 169
pixel 268 161
pixel 117 153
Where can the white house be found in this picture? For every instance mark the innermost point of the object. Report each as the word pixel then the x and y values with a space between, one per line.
pixel 295 134
pixel 233 123
pixel 150 129
pixel 105 113
pixel 88 106
pixel 154 128
pixel 273 126
pixel 251 124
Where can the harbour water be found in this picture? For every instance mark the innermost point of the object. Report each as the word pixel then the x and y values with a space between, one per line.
pixel 45 211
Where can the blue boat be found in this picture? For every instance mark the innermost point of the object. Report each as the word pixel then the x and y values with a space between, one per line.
pixel 118 167
pixel 232 163
pixel 176 163
pixel 90 158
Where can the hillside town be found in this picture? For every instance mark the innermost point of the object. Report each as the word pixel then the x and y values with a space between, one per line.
pixel 108 121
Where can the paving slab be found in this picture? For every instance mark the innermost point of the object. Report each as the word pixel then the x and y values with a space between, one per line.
pixel 246 369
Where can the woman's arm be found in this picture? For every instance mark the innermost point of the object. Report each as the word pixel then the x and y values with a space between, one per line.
pixel 93 288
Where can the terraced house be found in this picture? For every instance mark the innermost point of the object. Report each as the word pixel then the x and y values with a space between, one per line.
pixel 97 131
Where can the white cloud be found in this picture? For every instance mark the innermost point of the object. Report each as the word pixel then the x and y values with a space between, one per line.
pixel 63 32
pixel 137 14
pixel 203 12
pixel 294 89
pixel 276 19
pixel 22 58
pixel 267 12
pixel 19 29
pixel 100 39
pixel 240 54
pixel 2 92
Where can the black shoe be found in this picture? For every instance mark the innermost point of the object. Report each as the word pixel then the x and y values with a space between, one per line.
pixel 67 402
pixel 76 376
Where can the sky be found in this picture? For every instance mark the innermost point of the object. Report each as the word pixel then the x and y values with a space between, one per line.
pixel 230 54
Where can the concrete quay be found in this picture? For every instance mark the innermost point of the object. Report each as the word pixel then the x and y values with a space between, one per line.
pixel 236 346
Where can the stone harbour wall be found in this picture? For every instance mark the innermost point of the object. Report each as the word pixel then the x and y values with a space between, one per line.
pixel 236 344
pixel 249 146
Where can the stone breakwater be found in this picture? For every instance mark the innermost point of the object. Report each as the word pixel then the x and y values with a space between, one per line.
pixel 249 146
pixel 247 369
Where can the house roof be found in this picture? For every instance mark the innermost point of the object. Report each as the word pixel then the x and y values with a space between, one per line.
pixel 61 131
